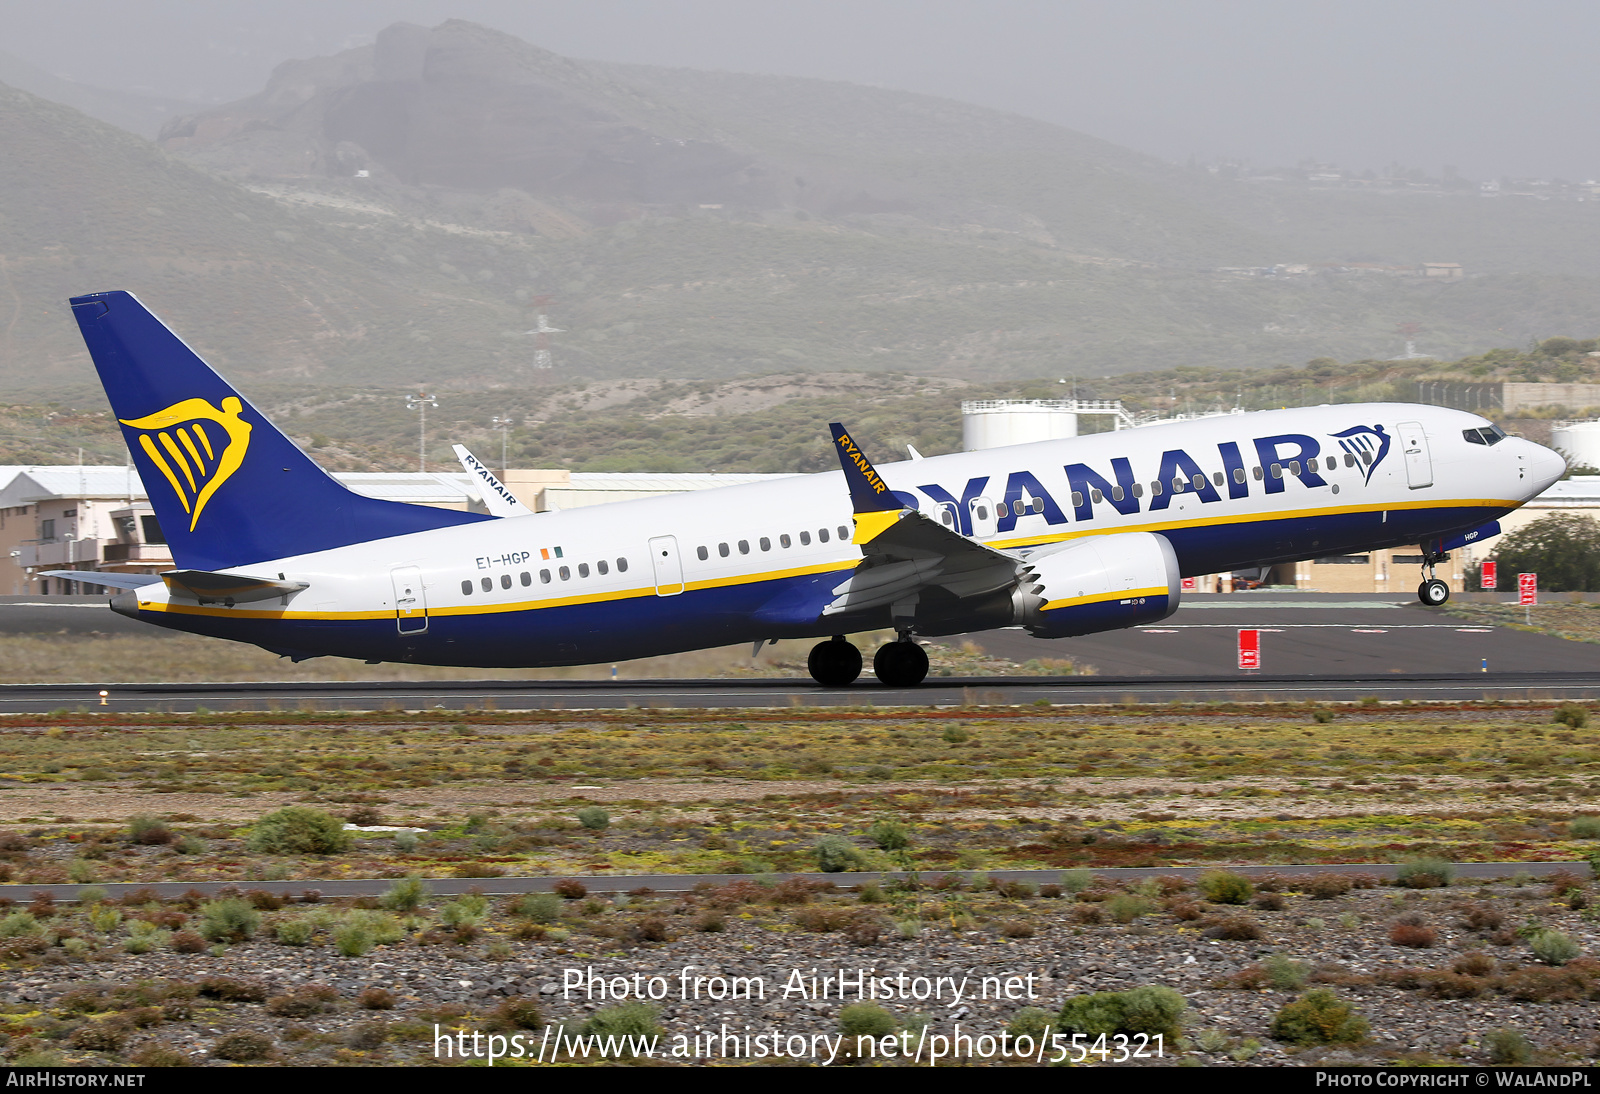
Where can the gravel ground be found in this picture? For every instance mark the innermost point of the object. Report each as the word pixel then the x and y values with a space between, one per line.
pixel 441 988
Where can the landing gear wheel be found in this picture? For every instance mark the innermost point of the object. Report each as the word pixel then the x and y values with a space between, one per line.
pixel 900 664
pixel 835 663
pixel 1433 592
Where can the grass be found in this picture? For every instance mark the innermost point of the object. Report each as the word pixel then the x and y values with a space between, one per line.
pixel 755 791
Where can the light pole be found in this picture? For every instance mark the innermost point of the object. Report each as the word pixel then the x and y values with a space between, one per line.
pixel 502 424
pixel 421 402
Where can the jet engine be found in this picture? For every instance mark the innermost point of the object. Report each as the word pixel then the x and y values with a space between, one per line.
pixel 1099 583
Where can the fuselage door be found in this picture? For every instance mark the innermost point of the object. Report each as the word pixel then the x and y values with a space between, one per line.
pixel 410 605
pixel 667 565
pixel 1419 465
pixel 983 518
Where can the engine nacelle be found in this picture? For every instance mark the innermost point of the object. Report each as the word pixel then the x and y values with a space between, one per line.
pixel 1099 583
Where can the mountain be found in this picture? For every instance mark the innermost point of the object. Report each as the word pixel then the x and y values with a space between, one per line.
pixel 402 213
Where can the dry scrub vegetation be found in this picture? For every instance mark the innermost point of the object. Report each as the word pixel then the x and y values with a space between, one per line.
pixel 1422 971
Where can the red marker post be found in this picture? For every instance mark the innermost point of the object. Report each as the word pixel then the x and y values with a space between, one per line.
pixel 1528 595
pixel 1249 651
pixel 1489 579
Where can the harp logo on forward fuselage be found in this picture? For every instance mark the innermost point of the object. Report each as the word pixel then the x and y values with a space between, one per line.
pixel 195 446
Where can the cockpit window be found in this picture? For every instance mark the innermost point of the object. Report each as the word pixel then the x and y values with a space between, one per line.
pixel 1488 435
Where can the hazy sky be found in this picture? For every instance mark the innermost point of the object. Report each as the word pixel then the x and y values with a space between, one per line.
pixel 1489 87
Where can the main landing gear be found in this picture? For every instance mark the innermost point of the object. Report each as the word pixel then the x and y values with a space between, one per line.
pixel 1432 592
pixel 836 663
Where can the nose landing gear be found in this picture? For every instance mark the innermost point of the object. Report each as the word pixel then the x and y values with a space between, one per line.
pixel 1433 591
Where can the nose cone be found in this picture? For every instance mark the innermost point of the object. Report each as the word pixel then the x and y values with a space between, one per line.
pixel 1543 467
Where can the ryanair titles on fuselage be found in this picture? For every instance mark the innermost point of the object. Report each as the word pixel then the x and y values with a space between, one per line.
pixel 1277 458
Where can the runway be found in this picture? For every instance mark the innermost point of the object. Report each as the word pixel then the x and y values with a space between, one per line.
pixel 789 694
pixel 1320 647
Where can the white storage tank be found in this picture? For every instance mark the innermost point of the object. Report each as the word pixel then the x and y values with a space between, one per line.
pixel 1578 441
pixel 995 423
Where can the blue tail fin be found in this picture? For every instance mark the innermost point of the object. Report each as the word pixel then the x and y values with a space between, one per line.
pixel 227 487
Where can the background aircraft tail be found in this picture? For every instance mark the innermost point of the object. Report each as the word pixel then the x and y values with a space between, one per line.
pixel 228 488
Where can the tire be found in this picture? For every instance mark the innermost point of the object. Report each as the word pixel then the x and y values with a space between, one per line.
pixel 1433 592
pixel 900 665
pixel 834 664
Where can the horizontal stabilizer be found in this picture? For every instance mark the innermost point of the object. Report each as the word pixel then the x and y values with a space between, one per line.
pixel 213 588
pixel 110 581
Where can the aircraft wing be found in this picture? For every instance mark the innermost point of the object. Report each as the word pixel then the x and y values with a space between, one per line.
pixel 905 551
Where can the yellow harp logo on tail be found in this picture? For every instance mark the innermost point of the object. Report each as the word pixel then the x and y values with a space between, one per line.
pixel 196 446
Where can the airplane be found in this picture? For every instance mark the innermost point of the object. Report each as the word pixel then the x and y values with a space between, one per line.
pixel 1060 538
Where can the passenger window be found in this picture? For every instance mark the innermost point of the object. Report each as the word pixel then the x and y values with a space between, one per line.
pixel 622 565
pixel 566 574
pixel 1217 478
pixel 505 581
pixel 822 535
pixel 1256 471
pixel 700 552
pixel 544 577
pixel 766 544
pixel 487 583
pixel 583 569
pixel 1294 468
pixel 1366 458
pixel 527 578
pixel 982 512
pixel 466 588
pixel 1277 470
pixel 1177 485
pixel 1333 463
pixel 1000 509
pixel 1096 495
pixel 805 539
pixel 783 540
pixel 1349 460
pixel 744 546
pixel 605 567
pixel 1077 498
pixel 1138 489
pixel 844 533
pixel 1155 489
pixel 1238 474
pixel 722 549
pixel 1116 493
pixel 1199 482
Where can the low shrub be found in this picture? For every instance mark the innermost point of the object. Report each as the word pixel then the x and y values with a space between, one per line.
pixel 835 854
pixel 1425 873
pixel 570 888
pixel 298 830
pixel 889 835
pixel 1413 935
pixel 150 830
pixel 1328 886
pixel 624 1020
pixel 1571 714
pixel 539 907
pixel 1237 928
pixel 1507 1046
pixel 1225 887
pixel 243 1046
pixel 1319 1017
pixel 865 1020
pixel 1585 827
pixel 1149 1009
pixel 1553 947
pixel 376 998
pixel 232 919
pixel 405 895
pixel 594 818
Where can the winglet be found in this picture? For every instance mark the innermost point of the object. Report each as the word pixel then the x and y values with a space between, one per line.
pixel 875 504
pixel 868 492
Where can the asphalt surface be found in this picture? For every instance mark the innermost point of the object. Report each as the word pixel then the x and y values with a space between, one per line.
pixel 1326 647
pixel 1305 634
